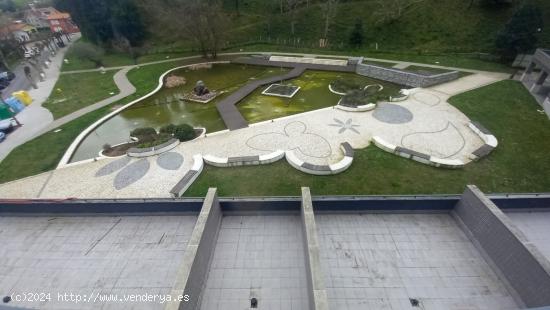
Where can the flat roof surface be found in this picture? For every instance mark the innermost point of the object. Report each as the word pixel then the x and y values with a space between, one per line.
pixel 260 257
pixel 91 255
pixel 379 261
pixel 536 227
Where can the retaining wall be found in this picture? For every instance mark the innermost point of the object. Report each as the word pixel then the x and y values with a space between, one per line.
pixel 405 78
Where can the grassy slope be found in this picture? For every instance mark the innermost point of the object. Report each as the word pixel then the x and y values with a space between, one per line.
pixel 432 25
pixel 80 90
pixel 519 164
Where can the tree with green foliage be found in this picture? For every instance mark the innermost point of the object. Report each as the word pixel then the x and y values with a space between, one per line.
pixel 520 32
pixel 7 6
pixel 106 21
pixel 357 36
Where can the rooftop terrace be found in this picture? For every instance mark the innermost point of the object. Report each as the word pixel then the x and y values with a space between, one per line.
pixel 421 252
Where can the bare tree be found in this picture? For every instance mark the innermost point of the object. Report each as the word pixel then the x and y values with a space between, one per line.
pixel 391 10
pixel 292 6
pixel 329 11
pixel 202 22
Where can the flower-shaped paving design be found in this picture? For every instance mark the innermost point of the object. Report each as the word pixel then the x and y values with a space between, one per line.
pixel 133 171
pixel 294 137
pixel 345 126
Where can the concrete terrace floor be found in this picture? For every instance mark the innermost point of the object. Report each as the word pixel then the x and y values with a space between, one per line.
pixel 379 261
pixel 91 256
pixel 425 122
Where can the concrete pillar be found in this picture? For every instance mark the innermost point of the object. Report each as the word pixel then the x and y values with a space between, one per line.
pixel 538 83
pixel 528 70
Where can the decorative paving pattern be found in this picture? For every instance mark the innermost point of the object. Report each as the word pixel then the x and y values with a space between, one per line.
pixel 392 114
pixel 113 166
pixel 131 174
pixel 427 99
pixel 170 161
pixel 295 137
pixel 348 125
pixel 450 141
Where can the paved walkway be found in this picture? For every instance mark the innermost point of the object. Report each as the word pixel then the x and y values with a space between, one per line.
pixel 35 118
pixel 125 89
pixel 39 120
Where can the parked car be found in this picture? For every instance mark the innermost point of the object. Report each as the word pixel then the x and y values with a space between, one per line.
pixel 6 126
pixel 7 75
pixel 2 136
pixel 5 78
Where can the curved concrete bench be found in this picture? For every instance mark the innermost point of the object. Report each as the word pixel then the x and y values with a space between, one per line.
pixel 243 160
pixel 155 150
pixel 488 138
pixel 417 156
pixel 359 108
pixel 380 87
pixel 313 169
pixel 190 177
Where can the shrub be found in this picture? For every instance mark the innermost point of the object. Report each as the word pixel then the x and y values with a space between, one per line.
pixel 169 129
pixel 141 132
pixel 107 147
pixel 184 132
pixel 157 140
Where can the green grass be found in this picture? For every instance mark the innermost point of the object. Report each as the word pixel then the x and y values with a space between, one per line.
pixel 73 92
pixel 519 164
pixel 111 59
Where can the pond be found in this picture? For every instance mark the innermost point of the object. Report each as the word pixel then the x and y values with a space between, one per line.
pixel 164 107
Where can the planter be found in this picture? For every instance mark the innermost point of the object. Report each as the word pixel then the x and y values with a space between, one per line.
pixel 155 150
pixel 101 153
pixel 335 92
pixel 359 108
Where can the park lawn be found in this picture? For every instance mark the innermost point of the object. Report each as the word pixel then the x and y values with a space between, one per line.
pixel 519 164
pixel 73 92
pixel 111 59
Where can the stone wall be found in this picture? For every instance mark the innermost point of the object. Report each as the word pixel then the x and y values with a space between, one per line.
pixel 405 78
